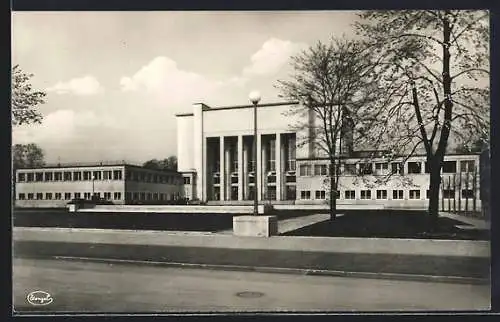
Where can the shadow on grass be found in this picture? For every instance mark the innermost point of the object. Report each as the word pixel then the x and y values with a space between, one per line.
pixel 391 224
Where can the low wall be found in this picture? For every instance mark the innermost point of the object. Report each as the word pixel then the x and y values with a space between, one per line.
pixel 178 209
pixel 448 248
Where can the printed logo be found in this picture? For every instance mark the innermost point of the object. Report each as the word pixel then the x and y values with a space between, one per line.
pixel 39 298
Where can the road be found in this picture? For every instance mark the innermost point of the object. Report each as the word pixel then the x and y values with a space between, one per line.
pixel 92 287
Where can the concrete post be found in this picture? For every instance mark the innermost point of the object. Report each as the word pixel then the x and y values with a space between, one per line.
pixel 279 168
pixel 240 168
pixel 245 170
pixel 227 177
pixel 221 169
pixel 258 186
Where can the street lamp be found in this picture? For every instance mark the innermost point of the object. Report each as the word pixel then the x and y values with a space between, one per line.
pixel 255 98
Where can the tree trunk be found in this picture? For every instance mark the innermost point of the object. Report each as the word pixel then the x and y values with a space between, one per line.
pixel 435 182
pixel 333 192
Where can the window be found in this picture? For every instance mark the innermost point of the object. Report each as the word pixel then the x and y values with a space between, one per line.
pixel 57 176
pixel 381 166
pixel 427 193
pixel 350 168
pixel 30 196
pixel 320 194
pixel 67 195
pixel 97 175
pixel 365 168
pixel 128 195
pixel 234 179
pixel 150 196
pixel 272 155
pixel 350 194
pixel 48 195
pixel 21 177
pixel 149 177
pixel 271 193
pixel 366 194
pixel 305 170
pixel 467 166
pixel 156 178
pixel 22 196
pixel 397 168
pixel 48 176
pixel 449 193
pixel 117 174
pixel 106 175
pixel 187 180
pixel 30 177
pixel 290 178
pixel 217 180
pixel 305 194
pixel 39 176
pixel 381 194
pixel 450 166
pixel 397 194
pixel 320 170
pixel 86 195
pixel 291 192
pixel 467 193
pixel 155 196
pixel 414 167
pixel 414 194
pixel 67 176
pixel 39 196
pixel 291 165
pixel 86 175
pixel 77 176
pixel 78 195
pixel 58 196
pixel 136 196
pixel 107 195
pixel 97 195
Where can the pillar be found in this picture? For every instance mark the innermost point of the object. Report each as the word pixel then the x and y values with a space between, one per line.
pixel 279 168
pixel 264 169
pixel 240 167
pixel 245 170
pixel 221 169
pixel 258 186
pixel 227 172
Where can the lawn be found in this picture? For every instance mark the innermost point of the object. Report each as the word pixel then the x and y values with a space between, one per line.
pixel 390 224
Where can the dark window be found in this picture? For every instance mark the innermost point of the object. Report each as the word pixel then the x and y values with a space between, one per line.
pixel 30 196
pixel 86 175
pixel 414 167
pixel 305 194
pixel 77 176
pixel 58 176
pixel 467 166
pixel 86 195
pixel 397 194
pixel 350 194
pixel 397 168
pixel 117 175
pixel 234 179
pixel 467 193
pixel 291 178
pixel 67 195
pixel 48 176
pixel 320 194
pixel 97 175
pixel 381 166
pixel 187 180
pixel 271 193
pixel 30 177
pixel 107 175
pixel 39 176
pixel 271 179
pixel 21 177
pixel 291 193
pixel 320 170
pixel 39 196
pixel 366 194
pixel 305 170
pixel 381 194
pixel 48 195
pixel 349 168
pixel 217 180
pixel 58 196
pixel 22 196
pixel 450 166
pixel 67 176
pixel 448 193
pixel 365 168
pixel 414 194
pixel 77 195
pixel 107 195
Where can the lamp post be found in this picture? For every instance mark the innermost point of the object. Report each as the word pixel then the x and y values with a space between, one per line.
pixel 255 98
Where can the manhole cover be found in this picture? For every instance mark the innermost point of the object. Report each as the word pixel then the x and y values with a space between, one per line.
pixel 249 294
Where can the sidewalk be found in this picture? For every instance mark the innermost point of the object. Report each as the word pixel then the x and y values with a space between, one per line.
pixel 473 223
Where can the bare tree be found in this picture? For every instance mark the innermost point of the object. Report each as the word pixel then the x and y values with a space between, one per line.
pixel 337 82
pixel 437 66
pixel 25 100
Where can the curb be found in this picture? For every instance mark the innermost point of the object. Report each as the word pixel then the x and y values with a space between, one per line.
pixel 295 271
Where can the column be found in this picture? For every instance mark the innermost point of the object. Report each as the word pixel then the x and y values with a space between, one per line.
pixel 240 167
pixel 279 169
pixel 227 174
pixel 264 169
pixel 221 169
pixel 258 187
pixel 245 170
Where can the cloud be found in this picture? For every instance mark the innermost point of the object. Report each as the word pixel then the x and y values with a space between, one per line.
pixel 162 76
pixel 271 57
pixel 86 85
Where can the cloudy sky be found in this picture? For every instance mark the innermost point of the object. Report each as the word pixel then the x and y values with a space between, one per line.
pixel 115 80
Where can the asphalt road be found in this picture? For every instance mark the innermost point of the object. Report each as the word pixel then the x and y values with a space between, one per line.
pixel 78 286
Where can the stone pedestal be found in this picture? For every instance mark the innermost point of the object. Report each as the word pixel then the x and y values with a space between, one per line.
pixel 255 226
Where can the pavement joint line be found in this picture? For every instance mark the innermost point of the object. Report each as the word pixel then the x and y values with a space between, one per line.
pixel 296 271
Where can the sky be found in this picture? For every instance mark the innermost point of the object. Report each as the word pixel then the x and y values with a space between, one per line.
pixel 115 80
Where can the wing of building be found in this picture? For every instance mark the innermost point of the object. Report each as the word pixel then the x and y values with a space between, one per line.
pixel 215 146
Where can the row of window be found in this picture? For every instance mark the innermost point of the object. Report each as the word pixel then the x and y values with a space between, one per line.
pixel 105 195
pixel 140 176
pixel 382 194
pixel 382 168
pixel 67 195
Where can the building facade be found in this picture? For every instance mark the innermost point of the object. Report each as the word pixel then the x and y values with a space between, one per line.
pixel 215 146
pixel 55 186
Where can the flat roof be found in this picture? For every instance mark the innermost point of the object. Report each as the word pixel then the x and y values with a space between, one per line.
pixel 207 108
pixel 93 165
